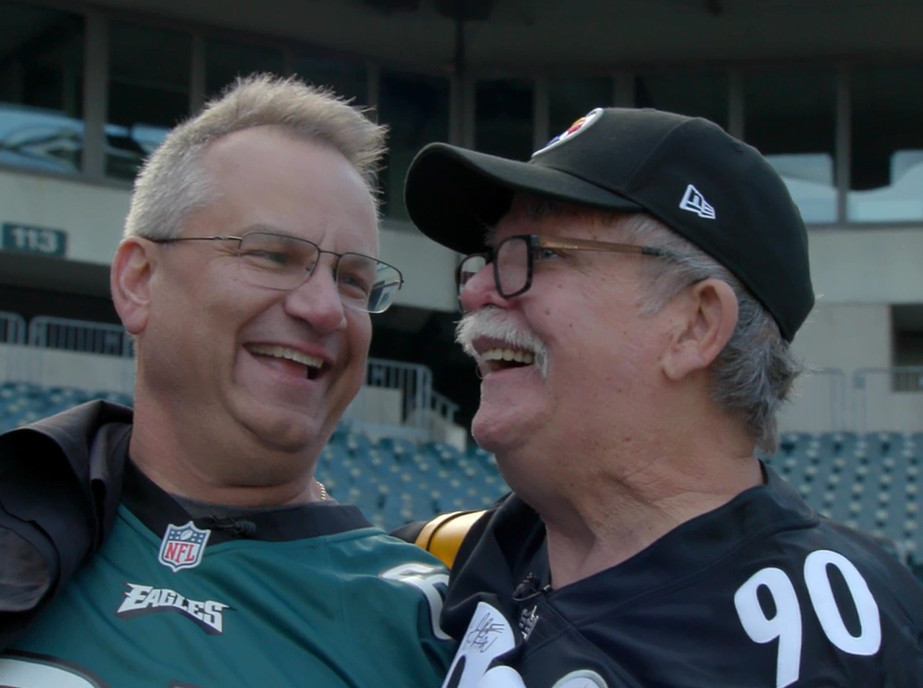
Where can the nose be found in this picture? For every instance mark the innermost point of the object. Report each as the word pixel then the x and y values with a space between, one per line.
pixel 317 301
pixel 480 290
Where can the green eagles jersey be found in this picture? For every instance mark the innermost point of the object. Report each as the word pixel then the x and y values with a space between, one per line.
pixel 308 596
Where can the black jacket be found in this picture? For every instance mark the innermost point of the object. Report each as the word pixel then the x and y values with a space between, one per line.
pixel 60 484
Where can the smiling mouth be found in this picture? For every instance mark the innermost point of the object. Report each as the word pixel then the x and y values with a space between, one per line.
pixel 312 365
pixel 502 358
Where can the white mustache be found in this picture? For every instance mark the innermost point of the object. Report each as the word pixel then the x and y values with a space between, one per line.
pixel 493 324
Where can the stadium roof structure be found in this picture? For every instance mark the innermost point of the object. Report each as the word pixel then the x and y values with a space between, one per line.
pixel 446 36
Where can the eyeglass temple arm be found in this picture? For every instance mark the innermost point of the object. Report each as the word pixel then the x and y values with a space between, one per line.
pixel 602 246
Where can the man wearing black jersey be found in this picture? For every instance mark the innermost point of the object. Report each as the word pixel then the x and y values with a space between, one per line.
pixel 630 294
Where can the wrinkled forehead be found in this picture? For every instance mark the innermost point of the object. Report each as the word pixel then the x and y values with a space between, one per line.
pixel 533 208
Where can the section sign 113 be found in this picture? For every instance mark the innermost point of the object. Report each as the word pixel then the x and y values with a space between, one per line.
pixel 22 238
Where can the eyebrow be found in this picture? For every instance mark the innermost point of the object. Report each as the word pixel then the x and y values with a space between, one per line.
pixel 270 229
pixel 490 237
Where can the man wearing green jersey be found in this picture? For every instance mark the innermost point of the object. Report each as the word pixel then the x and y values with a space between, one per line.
pixel 187 543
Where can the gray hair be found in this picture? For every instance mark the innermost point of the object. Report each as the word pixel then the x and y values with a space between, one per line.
pixel 754 373
pixel 172 184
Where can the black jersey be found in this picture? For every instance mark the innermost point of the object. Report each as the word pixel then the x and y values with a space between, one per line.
pixel 761 592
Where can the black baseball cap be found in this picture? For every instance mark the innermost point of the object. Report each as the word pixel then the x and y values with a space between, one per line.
pixel 714 190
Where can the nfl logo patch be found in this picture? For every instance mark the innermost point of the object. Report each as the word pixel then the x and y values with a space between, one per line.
pixel 182 547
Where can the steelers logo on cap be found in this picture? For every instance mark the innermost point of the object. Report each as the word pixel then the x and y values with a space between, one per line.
pixel 574 129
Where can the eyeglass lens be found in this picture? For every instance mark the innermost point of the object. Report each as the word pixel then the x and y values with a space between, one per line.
pixel 511 265
pixel 280 262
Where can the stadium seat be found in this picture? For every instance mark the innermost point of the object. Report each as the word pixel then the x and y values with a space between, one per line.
pixel 869 481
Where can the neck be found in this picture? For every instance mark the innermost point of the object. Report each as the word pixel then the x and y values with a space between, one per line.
pixel 605 519
pixel 220 472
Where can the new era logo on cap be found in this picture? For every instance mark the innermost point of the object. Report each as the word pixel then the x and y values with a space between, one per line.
pixel 695 202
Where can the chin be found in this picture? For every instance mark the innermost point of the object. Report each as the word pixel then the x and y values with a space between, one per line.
pixel 508 426
pixel 489 432
pixel 287 432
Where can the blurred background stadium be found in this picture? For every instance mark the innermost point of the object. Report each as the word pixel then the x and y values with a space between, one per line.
pixel 828 90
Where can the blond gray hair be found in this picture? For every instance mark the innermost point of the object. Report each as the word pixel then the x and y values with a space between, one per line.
pixel 172 183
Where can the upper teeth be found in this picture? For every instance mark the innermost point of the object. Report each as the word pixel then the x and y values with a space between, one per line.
pixel 288 354
pixel 517 355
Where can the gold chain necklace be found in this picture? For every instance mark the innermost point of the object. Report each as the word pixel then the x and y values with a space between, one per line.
pixel 323 490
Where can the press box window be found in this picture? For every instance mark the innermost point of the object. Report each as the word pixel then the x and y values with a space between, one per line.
pixel 41 89
pixel 148 92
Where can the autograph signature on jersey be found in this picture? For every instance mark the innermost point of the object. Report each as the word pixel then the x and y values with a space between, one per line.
pixel 484 634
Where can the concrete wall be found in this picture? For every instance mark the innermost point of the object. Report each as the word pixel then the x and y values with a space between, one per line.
pixel 838 343
pixel 858 274
pixel 92 216
pixel 57 368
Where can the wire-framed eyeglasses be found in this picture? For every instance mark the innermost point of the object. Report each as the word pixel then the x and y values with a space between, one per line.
pixel 514 259
pixel 278 261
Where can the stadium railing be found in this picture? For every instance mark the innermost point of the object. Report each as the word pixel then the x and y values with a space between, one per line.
pixel 888 399
pixel 397 400
pixel 12 328
pixel 79 335
pixel 826 392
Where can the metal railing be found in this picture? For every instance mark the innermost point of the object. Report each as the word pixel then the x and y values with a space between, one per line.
pixel 417 404
pixel 405 401
pixel 415 383
pixel 444 407
pixel 888 399
pixel 12 328
pixel 875 398
pixel 409 386
pixel 79 335
pixel 831 390
pixel 907 379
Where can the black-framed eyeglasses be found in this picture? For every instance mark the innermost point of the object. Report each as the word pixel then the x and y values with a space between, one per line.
pixel 514 259
pixel 278 261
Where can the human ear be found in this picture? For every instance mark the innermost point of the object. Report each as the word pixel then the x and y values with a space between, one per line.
pixel 707 318
pixel 129 280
